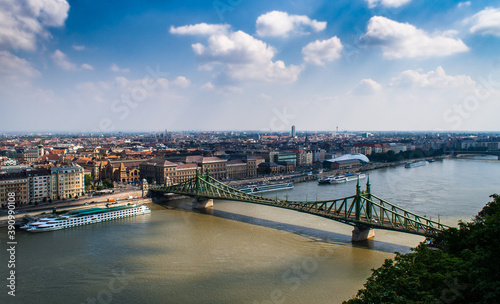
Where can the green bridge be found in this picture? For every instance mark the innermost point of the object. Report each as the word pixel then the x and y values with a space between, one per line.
pixel 363 210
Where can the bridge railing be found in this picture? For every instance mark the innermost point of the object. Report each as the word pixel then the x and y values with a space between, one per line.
pixel 363 209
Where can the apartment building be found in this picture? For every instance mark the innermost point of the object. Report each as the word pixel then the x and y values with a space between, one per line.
pixel 67 182
pixel 17 183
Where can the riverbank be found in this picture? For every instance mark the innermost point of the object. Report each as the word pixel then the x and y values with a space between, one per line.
pixel 97 201
pixel 305 177
pixel 124 195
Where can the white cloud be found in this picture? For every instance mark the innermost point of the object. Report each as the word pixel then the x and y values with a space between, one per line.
pixel 115 68
pixel 200 29
pixel 403 40
pixel 78 47
pixel 182 82
pixel 437 79
pixel 15 71
pixel 62 61
pixel 208 86
pixel 463 4
pixel 86 66
pixel 282 24
pixel 387 3
pixel 321 51
pixel 22 22
pixel 486 21
pixel 367 87
pixel 242 57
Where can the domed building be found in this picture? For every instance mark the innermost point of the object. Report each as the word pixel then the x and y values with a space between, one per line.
pixel 347 161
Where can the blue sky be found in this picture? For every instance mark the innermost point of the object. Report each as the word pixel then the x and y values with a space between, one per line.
pixel 249 65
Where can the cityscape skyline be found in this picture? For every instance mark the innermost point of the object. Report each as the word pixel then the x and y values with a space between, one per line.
pixel 362 65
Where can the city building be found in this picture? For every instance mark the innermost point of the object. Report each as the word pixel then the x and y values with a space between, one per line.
pixel 342 164
pixel 15 182
pixel 185 172
pixel 271 168
pixel 39 182
pixel 159 171
pixel 27 155
pixel 217 167
pixel 236 169
pixel 67 182
pixel 120 171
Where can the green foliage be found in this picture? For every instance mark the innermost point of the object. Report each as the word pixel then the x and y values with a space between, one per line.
pixel 391 156
pixel 464 269
pixel 107 183
pixel 88 180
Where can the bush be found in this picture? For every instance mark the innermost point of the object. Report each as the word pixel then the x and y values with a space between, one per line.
pixel 464 268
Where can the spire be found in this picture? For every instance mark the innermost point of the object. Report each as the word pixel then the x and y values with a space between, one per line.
pixel 368 185
pixel 358 188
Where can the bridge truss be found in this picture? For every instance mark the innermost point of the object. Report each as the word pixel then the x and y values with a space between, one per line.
pixel 363 210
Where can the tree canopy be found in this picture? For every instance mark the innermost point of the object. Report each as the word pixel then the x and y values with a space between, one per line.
pixel 464 268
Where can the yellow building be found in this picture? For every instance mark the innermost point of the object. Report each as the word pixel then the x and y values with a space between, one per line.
pixel 67 182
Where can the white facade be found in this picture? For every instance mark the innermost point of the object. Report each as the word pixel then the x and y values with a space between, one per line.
pixel 39 186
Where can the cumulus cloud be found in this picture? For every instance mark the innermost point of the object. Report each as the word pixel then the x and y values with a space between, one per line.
pixel 200 29
pixel 387 3
pixel 367 87
pixel 486 22
pixel 436 79
pixel 62 61
pixel 463 4
pixel 241 57
pixel 281 24
pixel 208 86
pixel 14 70
pixel 115 68
pixel 403 40
pixel 182 82
pixel 321 51
pixel 22 22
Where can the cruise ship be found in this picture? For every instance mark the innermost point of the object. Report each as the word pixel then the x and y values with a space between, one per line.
pixel 341 178
pixel 416 164
pixel 266 188
pixel 84 217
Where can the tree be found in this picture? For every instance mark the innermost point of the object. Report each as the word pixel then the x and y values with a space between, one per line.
pixel 107 183
pixel 464 268
pixel 88 182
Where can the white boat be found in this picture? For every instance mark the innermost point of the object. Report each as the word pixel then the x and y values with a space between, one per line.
pixel 266 188
pixel 325 180
pixel 354 176
pixel 338 179
pixel 84 217
pixel 341 178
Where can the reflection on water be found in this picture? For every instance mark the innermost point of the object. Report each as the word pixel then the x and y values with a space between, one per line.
pixel 241 253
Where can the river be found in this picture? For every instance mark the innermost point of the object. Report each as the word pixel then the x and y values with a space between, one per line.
pixel 241 253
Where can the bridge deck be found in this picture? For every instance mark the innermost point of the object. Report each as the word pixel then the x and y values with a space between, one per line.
pixel 363 210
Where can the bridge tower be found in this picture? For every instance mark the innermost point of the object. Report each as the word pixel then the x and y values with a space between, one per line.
pixel 201 202
pixel 145 188
pixel 361 233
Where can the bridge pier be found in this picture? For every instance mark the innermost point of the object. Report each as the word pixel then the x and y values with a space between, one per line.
pixel 202 203
pixel 362 234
